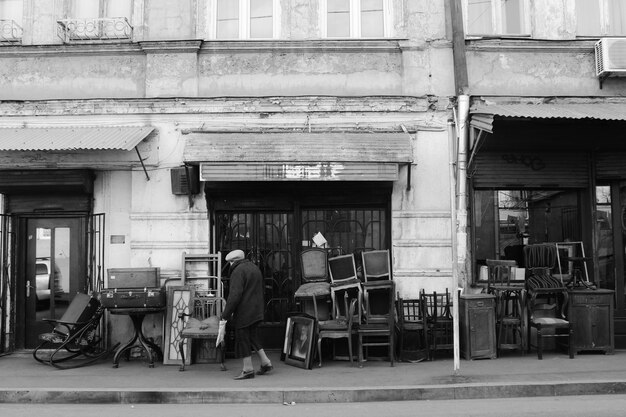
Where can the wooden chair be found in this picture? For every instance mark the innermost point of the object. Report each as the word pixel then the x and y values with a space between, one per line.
pixel 75 338
pixel 201 323
pixel 412 328
pixel 315 279
pixel 378 327
pixel 509 298
pixel 376 265
pixel 343 277
pixel 339 328
pixel 439 323
pixel 549 321
pixel 547 297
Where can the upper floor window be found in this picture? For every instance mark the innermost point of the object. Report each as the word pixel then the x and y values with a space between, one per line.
pixel 496 17
pixel 355 18
pixel 11 20
pixel 246 19
pixel 97 20
pixel 600 17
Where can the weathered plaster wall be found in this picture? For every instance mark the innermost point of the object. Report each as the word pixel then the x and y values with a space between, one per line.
pixel 300 73
pixel 542 72
pixel 71 76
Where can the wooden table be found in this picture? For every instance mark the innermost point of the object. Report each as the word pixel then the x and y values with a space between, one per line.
pixel 137 316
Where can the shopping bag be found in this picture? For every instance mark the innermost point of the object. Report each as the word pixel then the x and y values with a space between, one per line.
pixel 221 332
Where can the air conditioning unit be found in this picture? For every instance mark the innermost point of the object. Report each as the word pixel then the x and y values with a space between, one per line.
pixel 610 57
pixel 183 183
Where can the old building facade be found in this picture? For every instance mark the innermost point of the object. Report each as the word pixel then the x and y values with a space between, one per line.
pixel 291 117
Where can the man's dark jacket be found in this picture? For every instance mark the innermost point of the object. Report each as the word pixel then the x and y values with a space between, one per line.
pixel 245 294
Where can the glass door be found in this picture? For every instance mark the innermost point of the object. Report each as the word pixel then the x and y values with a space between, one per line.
pixel 54 270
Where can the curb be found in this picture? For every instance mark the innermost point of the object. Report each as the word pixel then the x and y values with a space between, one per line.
pixel 327 395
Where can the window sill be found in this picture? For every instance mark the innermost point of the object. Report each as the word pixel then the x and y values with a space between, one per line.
pixel 305 44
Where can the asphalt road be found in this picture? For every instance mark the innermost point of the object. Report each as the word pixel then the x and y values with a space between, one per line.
pixel 566 406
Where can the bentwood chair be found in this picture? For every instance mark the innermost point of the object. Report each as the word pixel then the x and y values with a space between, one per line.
pixel 412 330
pixel 438 307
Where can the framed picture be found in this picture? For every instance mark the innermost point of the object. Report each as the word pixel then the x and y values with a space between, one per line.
pixel 300 341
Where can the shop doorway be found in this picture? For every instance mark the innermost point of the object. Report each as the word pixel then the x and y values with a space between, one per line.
pixel 54 266
pixel 274 240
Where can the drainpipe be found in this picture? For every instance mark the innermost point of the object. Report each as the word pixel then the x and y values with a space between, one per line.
pixel 453 232
pixel 463 132
pixel 459 204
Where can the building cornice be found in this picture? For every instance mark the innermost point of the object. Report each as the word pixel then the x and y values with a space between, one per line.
pixel 223 105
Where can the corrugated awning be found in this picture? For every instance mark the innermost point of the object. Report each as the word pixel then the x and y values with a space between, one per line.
pixel 298 156
pixel 483 116
pixel 72 138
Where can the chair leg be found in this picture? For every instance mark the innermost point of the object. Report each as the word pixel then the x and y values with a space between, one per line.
pixel 319 350
pixel 182 355
pixel 350 349
pixel 570 342
pixel 391 349
pixel 539 343
pixel 360 350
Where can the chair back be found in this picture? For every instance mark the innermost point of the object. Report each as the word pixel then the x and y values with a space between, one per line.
pixel 314 263
pixel 410 311
pixel 376 265
pixel 203 307
pixel 342 269
pixel 540 255
pixel 540 260
pixel 80 311
pixel 437 306
pixel 379 302
pixel 500 272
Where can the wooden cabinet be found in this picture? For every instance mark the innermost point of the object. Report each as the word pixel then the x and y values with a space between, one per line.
pixel 477 325
pixel 591 315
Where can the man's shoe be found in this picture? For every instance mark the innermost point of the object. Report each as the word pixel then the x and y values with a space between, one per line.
pixel 245 375
pixel 265 369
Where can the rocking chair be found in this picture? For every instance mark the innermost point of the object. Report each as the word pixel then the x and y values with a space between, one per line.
pixel 74 340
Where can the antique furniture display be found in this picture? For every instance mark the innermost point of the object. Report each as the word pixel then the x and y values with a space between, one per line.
pixel 200 327
pixel 341 327
pixel 378 326
pixel 412 331
pixel 75 338
pixel 477 319
pixel 591 315
pixel 138 339
pixel 509 304
pixel 438 307
pixel 376 265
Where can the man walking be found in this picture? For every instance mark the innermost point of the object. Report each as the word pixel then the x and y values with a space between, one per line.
pixel 244 307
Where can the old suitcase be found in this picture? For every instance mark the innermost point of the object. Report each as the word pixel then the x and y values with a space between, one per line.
pixel 133 297
pixel 133 277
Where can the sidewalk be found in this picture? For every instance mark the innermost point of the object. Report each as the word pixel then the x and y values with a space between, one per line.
pixel 513 375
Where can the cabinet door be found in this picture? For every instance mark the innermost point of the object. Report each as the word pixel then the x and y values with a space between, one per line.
pixel 600 325
pixel 482 336
pixel 581 323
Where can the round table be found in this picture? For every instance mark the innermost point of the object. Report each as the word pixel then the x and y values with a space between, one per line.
pixel 137 316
